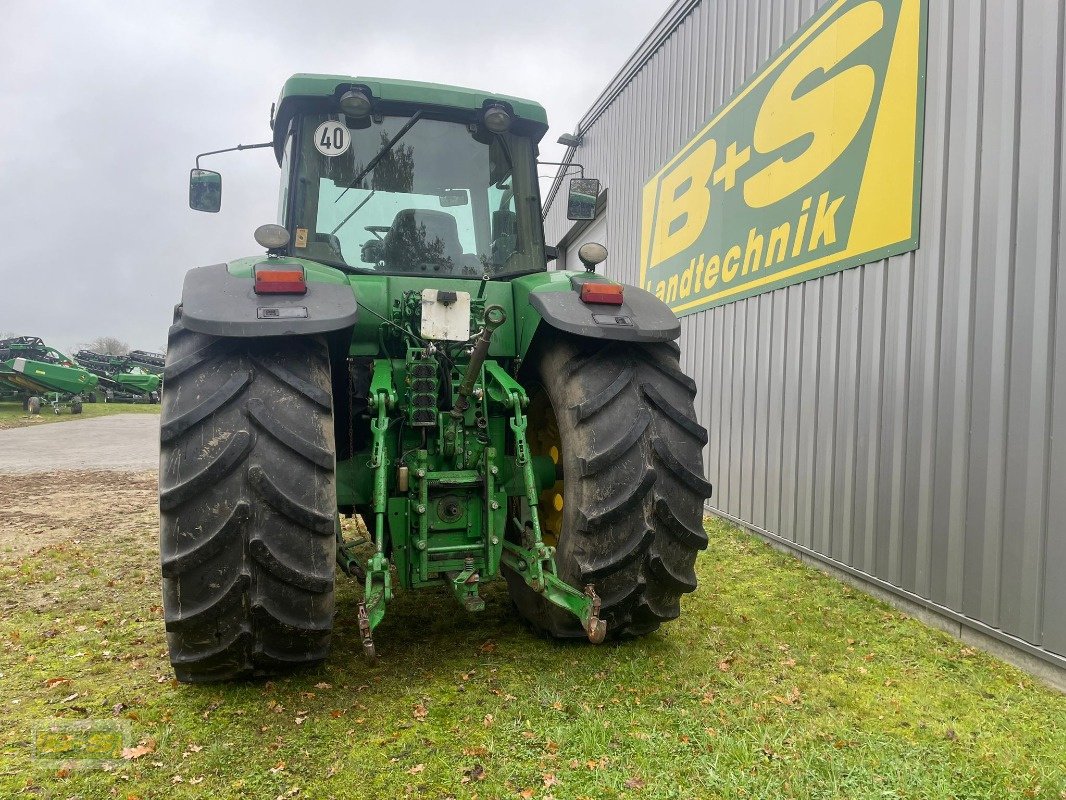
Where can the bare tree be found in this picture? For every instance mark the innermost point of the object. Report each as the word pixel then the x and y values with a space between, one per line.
pixel 107 346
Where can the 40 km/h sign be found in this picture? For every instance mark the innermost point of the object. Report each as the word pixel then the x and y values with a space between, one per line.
pixel 812 167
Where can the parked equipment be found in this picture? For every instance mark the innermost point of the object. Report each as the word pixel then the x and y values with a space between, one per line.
pixel 121 378
pixel 149 362
pixel 37 371
pixel 402 353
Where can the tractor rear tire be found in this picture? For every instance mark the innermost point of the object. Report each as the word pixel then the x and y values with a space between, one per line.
pixel 632 482
pixel 75 406
pixel 247 498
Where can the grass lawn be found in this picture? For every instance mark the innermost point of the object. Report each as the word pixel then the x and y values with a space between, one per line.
pixel 776 682
pixel 12 415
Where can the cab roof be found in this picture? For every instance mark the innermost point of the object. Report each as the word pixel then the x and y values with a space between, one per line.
pixel 318 93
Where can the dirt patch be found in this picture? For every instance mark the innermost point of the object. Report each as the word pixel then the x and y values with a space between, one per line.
pixel 50 508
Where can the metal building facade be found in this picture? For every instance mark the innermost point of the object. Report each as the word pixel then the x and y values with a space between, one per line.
pixel 904 420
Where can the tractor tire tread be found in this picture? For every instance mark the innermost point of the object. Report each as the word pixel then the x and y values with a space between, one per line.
pixel 315 394
pixel 209 405
pixel 633 501
pixel 269 423
pixel 674 413
pixel 237 446
pixel 182 559
pixel 610 453
pixel 303 514
pixel 248 505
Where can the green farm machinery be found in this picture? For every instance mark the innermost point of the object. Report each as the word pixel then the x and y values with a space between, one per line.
pixel 149 362
pixel 401 353
pixel 121 378
pixel 39 374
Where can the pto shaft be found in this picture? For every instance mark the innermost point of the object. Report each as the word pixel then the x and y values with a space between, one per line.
pixel 494 318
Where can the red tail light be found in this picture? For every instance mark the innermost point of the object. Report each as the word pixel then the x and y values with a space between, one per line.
pixel 287 279
pixel 606 293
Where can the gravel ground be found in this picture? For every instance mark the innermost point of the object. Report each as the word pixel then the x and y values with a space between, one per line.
pixel 126 442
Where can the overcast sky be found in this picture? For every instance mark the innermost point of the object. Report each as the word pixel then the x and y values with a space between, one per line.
pixel 103 106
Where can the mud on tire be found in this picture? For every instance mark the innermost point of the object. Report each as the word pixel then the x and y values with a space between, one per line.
pixel 247 499
pixel 633 485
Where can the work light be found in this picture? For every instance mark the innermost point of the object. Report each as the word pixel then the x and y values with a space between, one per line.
pixel 271 236
pixel 355 104
pixel 497 119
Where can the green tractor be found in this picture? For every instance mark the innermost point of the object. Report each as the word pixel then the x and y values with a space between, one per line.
pixel 402 354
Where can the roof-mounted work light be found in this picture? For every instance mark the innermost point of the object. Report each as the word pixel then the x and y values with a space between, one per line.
pixel 497 119
pixel 355 104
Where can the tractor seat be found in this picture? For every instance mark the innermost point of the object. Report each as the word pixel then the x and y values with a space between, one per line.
pixel 421 240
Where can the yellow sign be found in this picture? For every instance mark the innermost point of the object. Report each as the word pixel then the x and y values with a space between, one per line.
pixel 812 167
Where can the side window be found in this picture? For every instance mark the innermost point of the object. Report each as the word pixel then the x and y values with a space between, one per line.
pixel 283 192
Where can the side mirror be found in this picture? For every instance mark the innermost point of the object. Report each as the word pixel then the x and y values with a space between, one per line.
pixel 581 203
pixel 551 253
pixel 205 190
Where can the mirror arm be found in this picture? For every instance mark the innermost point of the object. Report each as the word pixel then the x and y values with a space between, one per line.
pixel 231 149
pixel 581 169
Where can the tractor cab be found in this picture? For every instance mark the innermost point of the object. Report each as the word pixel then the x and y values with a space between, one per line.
pixel 405 178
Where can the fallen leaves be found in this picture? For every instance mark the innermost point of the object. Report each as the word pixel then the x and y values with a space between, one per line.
pixel 417 769
pixel 634 783
pixel 420 712
pixel 143 748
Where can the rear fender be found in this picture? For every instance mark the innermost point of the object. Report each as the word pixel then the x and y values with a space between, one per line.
pixel 220 300
pixel 551 301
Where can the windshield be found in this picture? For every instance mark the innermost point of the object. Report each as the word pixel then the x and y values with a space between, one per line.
pixel 410 195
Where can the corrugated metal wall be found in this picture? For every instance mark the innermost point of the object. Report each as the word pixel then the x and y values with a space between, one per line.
pixel 906 418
